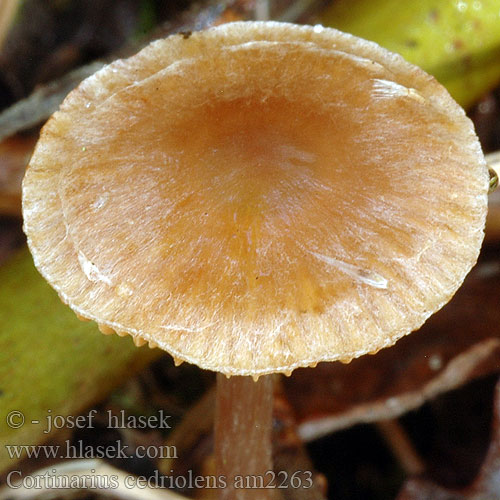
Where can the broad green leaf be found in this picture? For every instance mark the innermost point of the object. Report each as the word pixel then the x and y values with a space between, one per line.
pixel 457 41
pixel 48 359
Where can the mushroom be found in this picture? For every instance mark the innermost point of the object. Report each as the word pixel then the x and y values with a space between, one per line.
pixel 255 198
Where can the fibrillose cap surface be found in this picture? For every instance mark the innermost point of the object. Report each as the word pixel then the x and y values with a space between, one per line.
pixel 257 197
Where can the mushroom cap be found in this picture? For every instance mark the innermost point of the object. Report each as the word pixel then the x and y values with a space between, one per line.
pixel 257 197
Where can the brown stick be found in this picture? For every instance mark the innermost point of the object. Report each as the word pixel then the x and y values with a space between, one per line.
pixel 401 446
pixel 243 425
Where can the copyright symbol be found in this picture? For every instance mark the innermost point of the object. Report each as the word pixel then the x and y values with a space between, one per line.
pixel 15 419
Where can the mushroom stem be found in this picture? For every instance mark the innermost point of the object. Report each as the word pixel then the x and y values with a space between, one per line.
pixel 243 425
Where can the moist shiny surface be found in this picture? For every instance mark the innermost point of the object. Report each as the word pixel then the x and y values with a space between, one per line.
pixel 260 207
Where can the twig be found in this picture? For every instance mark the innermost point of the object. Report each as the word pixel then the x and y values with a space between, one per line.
pixel 262 10
pixel 197 421
pixel 297 10
pixel 37 107
pixel 291 460
pixel 43 102
pixel 401 446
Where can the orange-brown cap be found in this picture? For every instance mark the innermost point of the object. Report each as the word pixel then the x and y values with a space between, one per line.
pixel 258 197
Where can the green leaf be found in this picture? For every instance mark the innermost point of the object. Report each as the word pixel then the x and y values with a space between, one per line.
pixel 457 41
pixel 49 360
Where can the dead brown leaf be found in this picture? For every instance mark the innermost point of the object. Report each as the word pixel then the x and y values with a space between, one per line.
pixel 15 153
pixel 459 343
pixel 486 486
